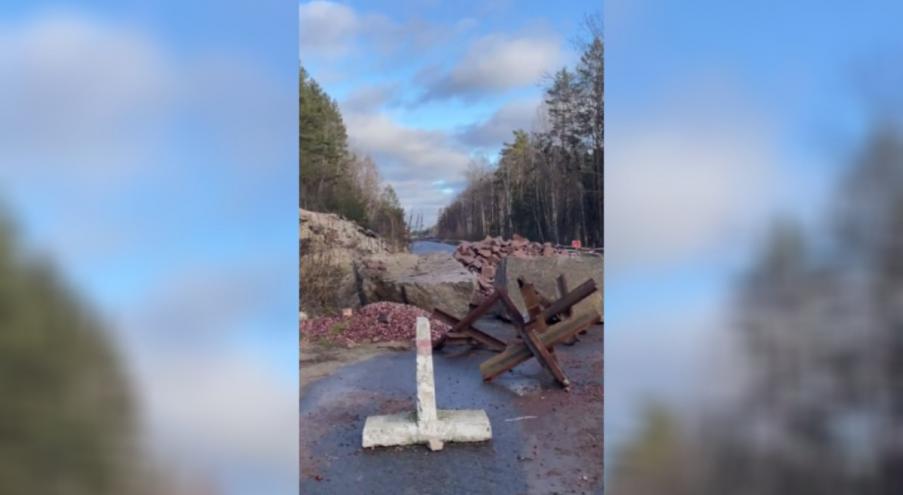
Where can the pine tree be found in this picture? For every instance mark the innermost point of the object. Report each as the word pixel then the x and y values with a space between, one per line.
pixel 549 185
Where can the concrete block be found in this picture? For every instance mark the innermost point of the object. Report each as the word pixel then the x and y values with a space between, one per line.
pixel 427 424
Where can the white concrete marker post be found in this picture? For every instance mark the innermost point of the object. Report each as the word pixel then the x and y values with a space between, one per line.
pixel 426 425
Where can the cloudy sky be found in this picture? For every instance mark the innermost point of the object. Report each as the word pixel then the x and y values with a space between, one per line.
pixel 424 87
pixel 720 117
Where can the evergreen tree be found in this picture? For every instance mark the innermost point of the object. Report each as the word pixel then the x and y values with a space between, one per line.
pixel 66 414
pixel 335 180
pixel 548 185
pixel 327 175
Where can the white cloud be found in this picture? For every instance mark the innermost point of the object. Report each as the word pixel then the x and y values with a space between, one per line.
pixel 210 403
pixel 225 410
pixel 410 159
pixel 326 29
pixel 497 63
pixel 84 116
pixel 206 304
pixel 370 98
pixel 71 84
pixel 332 33
pixel 405 151
pixel 686 178
pixel 92 101
pixel 498 128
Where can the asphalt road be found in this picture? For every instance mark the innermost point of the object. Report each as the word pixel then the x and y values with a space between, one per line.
pixel 545 440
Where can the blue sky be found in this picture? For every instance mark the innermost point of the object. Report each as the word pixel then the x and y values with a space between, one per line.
pixel 150 150
pixel 425 87
pixel 720 117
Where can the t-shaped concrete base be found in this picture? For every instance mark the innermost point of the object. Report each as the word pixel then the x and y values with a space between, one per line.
pixel 426 425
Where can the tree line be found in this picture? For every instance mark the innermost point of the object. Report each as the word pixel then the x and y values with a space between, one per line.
pixel 546 185
pixel 333 179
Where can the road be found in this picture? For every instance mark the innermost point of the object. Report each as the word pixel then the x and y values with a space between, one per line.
pixel 426 247
pixel 545 440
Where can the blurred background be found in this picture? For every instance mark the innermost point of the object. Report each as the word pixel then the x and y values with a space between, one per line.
pixel 148 247
pixel 755 247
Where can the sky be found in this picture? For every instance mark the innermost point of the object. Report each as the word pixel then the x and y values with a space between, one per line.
pixel 148 149
pixel 720 118
pixel 426 87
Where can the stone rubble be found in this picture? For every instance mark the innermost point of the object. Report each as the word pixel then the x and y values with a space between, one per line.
pixel 483 257
pixel 377 322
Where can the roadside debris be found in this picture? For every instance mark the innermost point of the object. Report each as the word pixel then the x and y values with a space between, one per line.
pixel 377 322
pixel 482 257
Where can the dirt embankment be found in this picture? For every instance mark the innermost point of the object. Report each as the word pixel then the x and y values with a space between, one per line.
pixel 346 266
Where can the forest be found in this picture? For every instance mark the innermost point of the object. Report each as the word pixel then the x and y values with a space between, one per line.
pixel 335 180
pixel 547 185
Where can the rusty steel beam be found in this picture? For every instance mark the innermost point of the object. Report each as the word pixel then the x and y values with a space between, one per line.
pixel 470 332
pixel 562 284
pixel 569 300
pixel 474 314
pixel 449 337
pixel 516 317
pixel 531 297
pixel 545 356
pixel 518 352
pixel 543 300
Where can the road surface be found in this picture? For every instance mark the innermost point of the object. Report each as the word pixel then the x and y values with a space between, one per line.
pixel 545 440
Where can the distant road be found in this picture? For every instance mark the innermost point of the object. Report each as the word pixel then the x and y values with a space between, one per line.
pixel 426 247
pixel 436 246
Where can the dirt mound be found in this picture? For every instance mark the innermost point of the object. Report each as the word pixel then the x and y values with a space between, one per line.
pixel 331 231
pixel 377 322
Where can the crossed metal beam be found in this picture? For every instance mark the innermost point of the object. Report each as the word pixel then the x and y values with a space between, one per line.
pixel 549 323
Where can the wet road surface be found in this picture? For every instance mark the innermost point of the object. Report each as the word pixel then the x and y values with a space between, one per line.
pixel 427 247
pixel 544 441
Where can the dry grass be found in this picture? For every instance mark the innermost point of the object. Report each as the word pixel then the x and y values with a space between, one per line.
pixel 320 278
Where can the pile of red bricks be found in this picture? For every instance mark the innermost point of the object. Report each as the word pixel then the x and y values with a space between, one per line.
pixel 377 322
pixel 482 257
